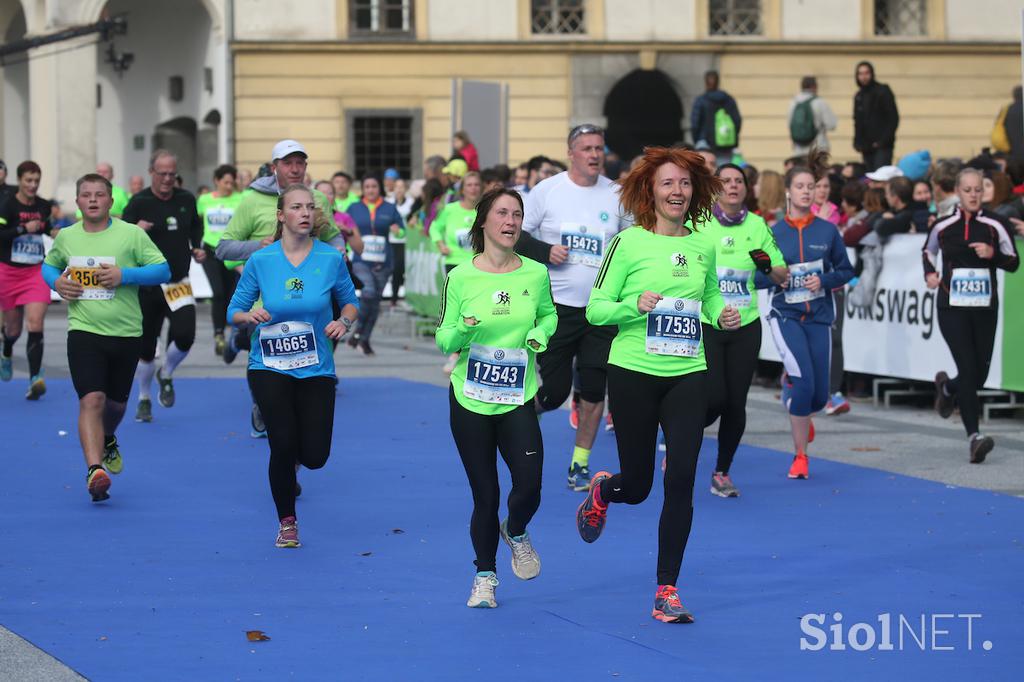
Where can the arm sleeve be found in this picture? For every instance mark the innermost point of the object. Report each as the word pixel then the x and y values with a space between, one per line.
pixel 230 249
pixel 344 291
pixel 828 117
pixel 146 275
pixel 892 114
pixel 50 275
pixel 771 247
pixel 198 227
pixel 1005 255
pixel 131 211
pixel 452 333
pixel 437 227
pixel 898 224
pixel 712 301
pixel 331 231
pixel 842 270
pixel 547 319
pixel 533 248
pixel 9 228
pixel 246 292
pixel 734 111
pixel 605 306
pixel 930 252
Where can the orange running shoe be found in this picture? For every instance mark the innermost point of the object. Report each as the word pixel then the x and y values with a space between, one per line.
pixel 798 469
pixel 98 483
pixel 668 608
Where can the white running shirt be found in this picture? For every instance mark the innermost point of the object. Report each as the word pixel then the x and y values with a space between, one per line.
pixel 559 211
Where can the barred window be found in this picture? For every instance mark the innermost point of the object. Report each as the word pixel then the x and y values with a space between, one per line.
pixel 381 142
pixel 557 17
pixel 381 17
pixel 901 17
pixel 734 18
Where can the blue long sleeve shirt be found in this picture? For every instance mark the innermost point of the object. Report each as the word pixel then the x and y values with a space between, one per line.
pixel 298 299
pixel 817 249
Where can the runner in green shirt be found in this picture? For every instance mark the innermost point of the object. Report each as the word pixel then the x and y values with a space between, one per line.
pixel 655 282
pixel 216 209
pixel 744 245
pixel 450 229
pixel 343 194
pixel 497 314
pixel 97 265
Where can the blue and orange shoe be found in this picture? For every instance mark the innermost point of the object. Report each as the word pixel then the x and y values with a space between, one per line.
pixel 591 515
pixel 98 483
pixel 799 469
pixel 668 608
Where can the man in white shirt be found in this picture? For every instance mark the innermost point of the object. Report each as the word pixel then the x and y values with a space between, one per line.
pixel 568 222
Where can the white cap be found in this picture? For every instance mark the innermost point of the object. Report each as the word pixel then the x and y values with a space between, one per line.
pixel 885 174
pixel 286 147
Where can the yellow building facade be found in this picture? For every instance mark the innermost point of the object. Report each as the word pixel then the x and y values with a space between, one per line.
pixel 950 68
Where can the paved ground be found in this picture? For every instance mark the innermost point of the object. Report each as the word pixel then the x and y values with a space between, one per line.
pixel 904 440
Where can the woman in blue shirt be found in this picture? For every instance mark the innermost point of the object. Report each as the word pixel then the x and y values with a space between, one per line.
pixel 291 365
pixel 376 220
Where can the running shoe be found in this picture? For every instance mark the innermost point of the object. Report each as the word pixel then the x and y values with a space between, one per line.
pixel 365 346
pixel 166 396
pixel 144 412
pixel 579 478
pixel 219 343
pixel 230 351
pixel 837 404
pixel 6 369
pixel 288 533
pixel 112 461
pixel 257 427
pixel 525 562
pixel 798 469
pixel 98 483
pixel 609 425
pixel 722 486
pixel 36 387
pixel 980 447
pixel 943 403
pixel 591 515
pixel 482 595
pixel 668 608
pixel 574 415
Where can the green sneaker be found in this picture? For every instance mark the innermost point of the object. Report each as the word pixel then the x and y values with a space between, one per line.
pixel 144 412
pixel 166 396
pixel 112 461
pixel 6 369
pixel 36 387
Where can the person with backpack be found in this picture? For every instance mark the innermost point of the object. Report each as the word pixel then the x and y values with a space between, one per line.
pixel 715 120
pixel 810 118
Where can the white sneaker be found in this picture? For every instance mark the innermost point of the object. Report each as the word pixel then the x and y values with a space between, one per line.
pixel 482 596
pixel 525 562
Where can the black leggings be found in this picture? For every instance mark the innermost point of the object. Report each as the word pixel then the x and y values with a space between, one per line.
pixel 181 328
pixel 970 335
pixel 222 284
pixel 299 414
pixel 398 273
pixel 679 405
pixel 516 435
pixel 732 361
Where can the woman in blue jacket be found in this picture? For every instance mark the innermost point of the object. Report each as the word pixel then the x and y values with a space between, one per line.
pixel 377 220
pixel 291 364
pixel 802 308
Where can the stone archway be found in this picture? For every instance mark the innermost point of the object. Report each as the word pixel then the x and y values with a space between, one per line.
pixel 642 109
pixel 14 91
pixel 179 136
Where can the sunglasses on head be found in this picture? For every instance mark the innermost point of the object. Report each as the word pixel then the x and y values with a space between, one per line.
pixel 585 129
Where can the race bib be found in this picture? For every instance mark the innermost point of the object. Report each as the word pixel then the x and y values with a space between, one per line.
pixel 799 273
pixel 735 287
pixel 375 248
pixel 586 246
pixel 178 294
pixel 288 345
pixel 496 375
pixel 27 249
pixel 217 219
pixel 970 288
pixel 673 328
pixel 86 271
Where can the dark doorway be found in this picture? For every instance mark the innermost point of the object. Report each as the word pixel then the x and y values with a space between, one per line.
pixel 178 136
pixel 642 109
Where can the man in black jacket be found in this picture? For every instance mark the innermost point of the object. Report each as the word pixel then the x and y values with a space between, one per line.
pixel 875 119
pixel 1014 124
pixel 905 214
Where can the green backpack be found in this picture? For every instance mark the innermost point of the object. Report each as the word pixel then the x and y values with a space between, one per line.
pixel 725 129
pixel 801 125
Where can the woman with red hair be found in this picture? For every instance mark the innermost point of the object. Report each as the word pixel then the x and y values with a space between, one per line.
pixel 656 279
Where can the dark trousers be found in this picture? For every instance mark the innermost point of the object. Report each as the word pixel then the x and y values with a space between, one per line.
pixel 970 335
pixel 732 361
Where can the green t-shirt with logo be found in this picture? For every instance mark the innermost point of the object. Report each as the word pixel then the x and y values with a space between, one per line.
pixel 81 252
pixel 510 308
pixel 451 226
pixel 216 213
pixel 638 260
pixel 736 270
pixel 341 204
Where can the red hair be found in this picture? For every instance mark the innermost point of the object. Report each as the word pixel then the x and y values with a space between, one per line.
pixel 637 195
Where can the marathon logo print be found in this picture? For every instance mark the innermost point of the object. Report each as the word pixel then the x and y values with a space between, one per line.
pixel 294 288
pixel 679 265
pixel 502 303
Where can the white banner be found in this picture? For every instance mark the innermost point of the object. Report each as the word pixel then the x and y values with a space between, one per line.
pixel 898 334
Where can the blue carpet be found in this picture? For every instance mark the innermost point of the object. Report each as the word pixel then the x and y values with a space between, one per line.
pixel 163 581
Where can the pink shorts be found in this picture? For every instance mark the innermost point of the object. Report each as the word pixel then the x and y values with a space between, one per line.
pixel 19 286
